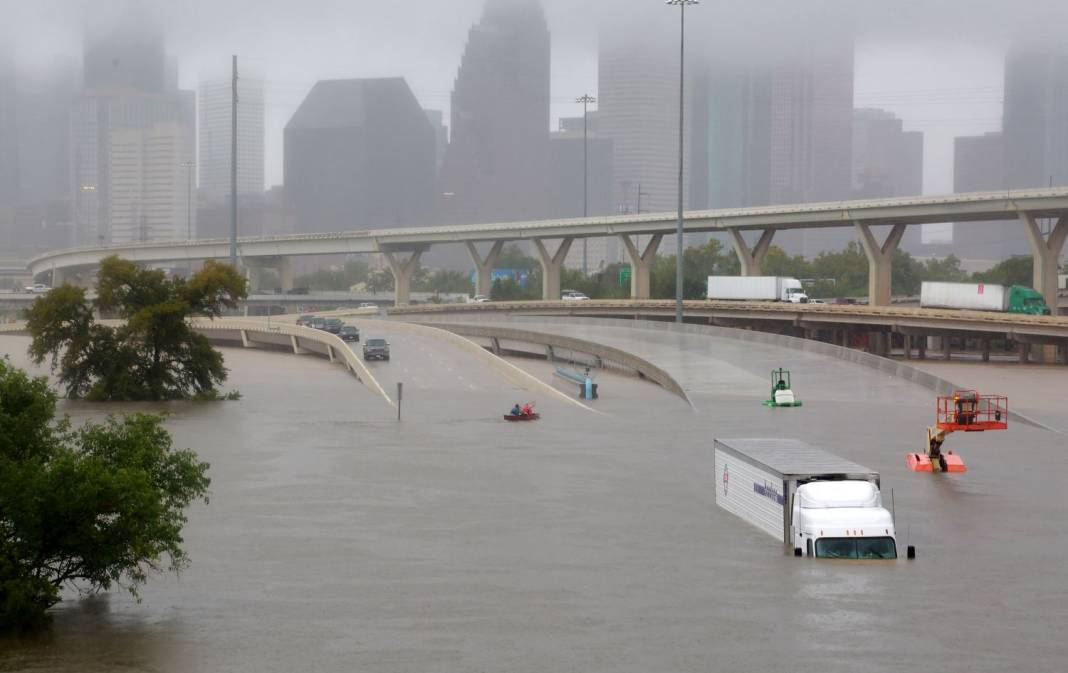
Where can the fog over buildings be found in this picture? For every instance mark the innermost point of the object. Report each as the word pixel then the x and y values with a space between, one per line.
pixel 785 102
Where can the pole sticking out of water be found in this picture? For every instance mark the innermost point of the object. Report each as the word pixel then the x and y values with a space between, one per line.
pixel 400 395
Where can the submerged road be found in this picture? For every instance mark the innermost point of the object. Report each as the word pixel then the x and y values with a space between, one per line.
pixel 339 540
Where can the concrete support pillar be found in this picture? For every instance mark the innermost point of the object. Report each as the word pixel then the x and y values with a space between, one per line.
pixel 879 259
pixel 252 277
pixel 330 352
pixel 285 274
pixel 244 339
pixel 986 349
pixel 1025 352
pixel 751 259
pixel 484 266
pixel 1047 253
pixel 550 267
pixel 921 348
pixel 947 348
pixel 402 274
pixel 640 260
pixel 907 341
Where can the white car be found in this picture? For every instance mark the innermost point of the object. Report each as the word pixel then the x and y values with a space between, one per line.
pixel 572 295
pixel 478 299
pixel 367 304
pixel 37 288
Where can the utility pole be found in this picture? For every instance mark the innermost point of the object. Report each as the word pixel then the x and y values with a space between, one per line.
pixel 678 228
pixel 233 169
pixel 585 99
pixel 188 165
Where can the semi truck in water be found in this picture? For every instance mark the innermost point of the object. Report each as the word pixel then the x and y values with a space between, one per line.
pixel 983 297
pixel 815 502
pixel 756 288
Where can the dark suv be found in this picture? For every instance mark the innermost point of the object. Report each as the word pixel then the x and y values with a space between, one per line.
pixel 349 333
pixel 305 320
pixel 316 322
pixel 376 349
pixel 333 325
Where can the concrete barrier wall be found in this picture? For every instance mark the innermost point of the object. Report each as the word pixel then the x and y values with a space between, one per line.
pixel 627 360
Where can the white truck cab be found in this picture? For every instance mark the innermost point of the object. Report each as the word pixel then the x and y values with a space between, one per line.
pixel 843 520
pixel 793 292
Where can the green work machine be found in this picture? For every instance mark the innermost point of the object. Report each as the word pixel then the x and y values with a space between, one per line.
pixel 782 395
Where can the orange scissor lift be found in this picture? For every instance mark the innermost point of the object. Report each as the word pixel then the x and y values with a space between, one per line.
pixel 963 411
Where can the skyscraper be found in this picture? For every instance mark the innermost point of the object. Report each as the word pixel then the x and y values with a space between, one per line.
pixel 1036 115
pixel 496 163
pixel 213 161
pixel 9 169
pixel 887 160
pixel 149 193
pixel 359 154
pixel 128 86
pixel 979 166
pixel 638 110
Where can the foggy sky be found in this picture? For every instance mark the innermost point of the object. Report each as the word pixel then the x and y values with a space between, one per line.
pixel 937 63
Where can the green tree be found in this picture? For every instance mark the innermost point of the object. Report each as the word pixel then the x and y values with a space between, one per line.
pixel 354 272
pixel 507 289
pixel 153 354
pixel 946 270
pixel 444 280
pixel 98 506
pixel 513 257
pixel 1012 271
pixel 380 281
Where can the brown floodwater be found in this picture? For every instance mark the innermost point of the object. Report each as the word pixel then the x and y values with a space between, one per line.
pixel 338 539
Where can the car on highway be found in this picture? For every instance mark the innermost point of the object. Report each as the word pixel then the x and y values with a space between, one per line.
pixel 37 288
pixel 478 299
pixel 573 295
pixel 305 320
pixel 349 333
pixel 316 322
pixel 367 304
pixel 376 349
pixel 332 325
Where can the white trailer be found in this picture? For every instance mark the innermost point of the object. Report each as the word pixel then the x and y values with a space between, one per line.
pixel 817 503
pixel 972 296
pixel 756 288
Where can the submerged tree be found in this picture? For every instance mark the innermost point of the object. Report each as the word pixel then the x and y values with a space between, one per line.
pixel 153 354
pixel 89 508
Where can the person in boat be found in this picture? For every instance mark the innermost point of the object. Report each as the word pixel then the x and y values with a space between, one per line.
pixel 528 409
pixel 516 410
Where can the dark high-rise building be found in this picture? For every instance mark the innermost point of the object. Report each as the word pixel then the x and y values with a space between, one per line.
pixel 1036 115
pixel 496 165
pixel 979 166
pixel 570 196
pixel 359 154
pixel 9 168
pixel 887 160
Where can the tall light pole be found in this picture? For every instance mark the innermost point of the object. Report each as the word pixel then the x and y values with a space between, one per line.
pixel 188 165
pixel 233 166
pixel 678 227
pixel 585 99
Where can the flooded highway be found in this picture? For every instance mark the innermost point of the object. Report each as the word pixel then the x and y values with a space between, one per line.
pixel 338 539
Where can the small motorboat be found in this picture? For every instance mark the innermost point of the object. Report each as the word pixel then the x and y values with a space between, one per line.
pixel 522 417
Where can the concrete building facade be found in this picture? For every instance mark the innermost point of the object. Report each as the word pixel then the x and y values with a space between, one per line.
pixel 150 194
pixel 213 159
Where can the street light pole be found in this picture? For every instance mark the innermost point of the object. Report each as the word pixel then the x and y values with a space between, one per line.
pixel 585 99
pixel 678 227
pixel 188 165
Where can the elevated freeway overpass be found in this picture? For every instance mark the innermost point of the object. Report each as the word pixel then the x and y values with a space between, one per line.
pixel 751 231
pixel 881 328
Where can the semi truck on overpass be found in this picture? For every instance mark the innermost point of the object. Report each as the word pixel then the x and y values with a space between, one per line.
pixel 760 288
pixel 983 297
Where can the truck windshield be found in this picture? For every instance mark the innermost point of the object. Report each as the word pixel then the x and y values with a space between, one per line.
pixel 856 547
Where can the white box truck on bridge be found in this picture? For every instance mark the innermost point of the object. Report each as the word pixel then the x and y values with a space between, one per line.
pixel 756 288
pixel 815 502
